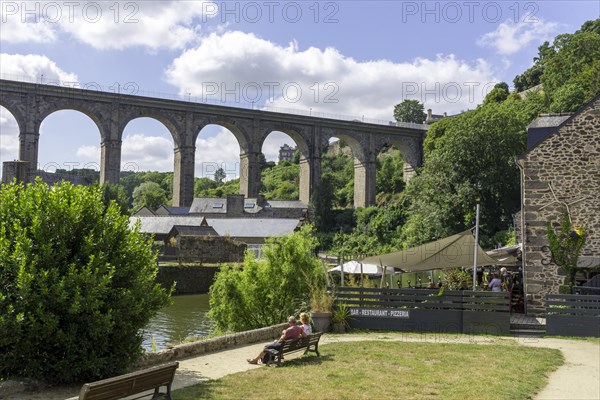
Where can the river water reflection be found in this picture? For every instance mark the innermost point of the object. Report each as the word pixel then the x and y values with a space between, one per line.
pixel 184 318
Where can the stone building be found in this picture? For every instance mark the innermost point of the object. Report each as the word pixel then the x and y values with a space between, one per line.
pixel 559 172
pixel 430 118
pixel 203 244
pixel 286 152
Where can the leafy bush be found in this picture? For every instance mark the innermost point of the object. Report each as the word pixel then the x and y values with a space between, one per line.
pixel 566 246
pixel 456 279
pixel 265 292
pixel 76 284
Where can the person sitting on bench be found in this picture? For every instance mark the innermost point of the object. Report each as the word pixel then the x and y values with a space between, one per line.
pixel 294 331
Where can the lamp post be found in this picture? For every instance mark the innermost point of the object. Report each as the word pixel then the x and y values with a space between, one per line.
pixel 476 248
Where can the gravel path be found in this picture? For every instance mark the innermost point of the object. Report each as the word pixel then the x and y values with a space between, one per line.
pixel 577 379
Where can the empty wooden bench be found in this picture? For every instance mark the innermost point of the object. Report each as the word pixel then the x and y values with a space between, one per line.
pixel 306 344
pixel 132 383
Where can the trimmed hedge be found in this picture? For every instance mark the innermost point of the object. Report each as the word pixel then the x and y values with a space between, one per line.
pixel 76 284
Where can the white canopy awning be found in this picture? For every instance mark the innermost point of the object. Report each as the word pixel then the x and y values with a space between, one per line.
pixel 353 267
pixel 450 252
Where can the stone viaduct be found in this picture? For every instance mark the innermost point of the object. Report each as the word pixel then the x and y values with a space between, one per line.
pixel 30 103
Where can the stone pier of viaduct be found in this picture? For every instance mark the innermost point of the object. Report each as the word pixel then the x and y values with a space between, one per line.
pixel 31 103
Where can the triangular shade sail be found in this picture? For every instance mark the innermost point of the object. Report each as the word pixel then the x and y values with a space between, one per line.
pixel 450 252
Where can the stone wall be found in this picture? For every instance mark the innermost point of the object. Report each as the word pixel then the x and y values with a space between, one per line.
pixel 569 161
pixel 190 279
pixel 210 249
pixel 18 170
pixel 211 345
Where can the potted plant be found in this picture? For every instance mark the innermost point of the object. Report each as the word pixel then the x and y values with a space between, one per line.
pixel 321 303
pixel 340 318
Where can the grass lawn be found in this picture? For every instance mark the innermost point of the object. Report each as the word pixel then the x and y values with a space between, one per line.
pixel 393 370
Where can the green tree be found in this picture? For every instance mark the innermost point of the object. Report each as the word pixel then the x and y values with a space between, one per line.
pixel 575 53
pixel 131 180
pixel 471 161
pixel 220 175
pixel 565 246
pixel 265 292
pixel 340 169
pixel 377 230
pixel 532 76
pixel 568 98
pixel 117 194
pixel 322 204
pixel 409 111
pixel 498 94
pixel 281 182
pixel 148 194
pixel 296 157
pixel 202 186
pixel 76 284
pixel 390 173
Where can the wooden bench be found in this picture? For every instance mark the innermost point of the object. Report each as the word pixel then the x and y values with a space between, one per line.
pixel 132 383
pixel 306 344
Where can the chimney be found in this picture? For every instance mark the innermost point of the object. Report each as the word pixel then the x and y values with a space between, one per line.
pixel 429 116
pixel 235 205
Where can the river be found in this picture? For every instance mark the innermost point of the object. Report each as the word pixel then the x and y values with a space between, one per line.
pixel 186 317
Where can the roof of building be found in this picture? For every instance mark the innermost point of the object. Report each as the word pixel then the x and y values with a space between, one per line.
pixel 254 227
pixel 162 224
pixel 208 205
pixel 187 230
pixel 144 211
pixel 173 210
pixel 234 227
pixel 557 128
pixel 286 204
pixel 548 120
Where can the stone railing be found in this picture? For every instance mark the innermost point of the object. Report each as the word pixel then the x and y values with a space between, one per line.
pixel 210 345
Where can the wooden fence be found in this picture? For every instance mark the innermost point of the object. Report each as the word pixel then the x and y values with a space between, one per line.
pixel 573 315
pixel 424 310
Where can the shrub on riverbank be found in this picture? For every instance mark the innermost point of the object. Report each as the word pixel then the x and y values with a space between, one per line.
pixel 265 292
pixel 76 284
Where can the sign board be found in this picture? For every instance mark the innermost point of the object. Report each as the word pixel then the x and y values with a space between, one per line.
pixel 379 312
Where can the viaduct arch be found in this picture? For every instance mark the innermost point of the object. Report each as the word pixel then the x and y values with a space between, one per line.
pixel 30 103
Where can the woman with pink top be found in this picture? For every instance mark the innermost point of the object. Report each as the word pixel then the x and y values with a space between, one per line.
pixel 305 319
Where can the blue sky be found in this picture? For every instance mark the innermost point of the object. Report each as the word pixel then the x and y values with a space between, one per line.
pixel 355 58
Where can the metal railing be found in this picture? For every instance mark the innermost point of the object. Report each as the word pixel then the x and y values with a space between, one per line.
pixel 131 88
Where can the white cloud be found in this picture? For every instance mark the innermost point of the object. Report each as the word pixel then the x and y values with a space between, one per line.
pixel 151 24
pixel 138 153
pixel 9 137
pixel 147 153
pixel 19 27
pixel 107 25
pixel 31 67
pixel 511 37
pixel 219 151
pixel 89 153
pixel 329 81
